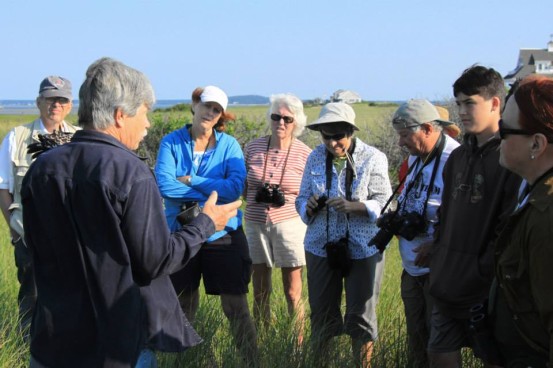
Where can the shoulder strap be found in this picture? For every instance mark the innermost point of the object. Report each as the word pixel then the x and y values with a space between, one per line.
pixel 350 175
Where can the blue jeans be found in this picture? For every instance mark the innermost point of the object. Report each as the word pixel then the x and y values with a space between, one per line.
pixel 146 359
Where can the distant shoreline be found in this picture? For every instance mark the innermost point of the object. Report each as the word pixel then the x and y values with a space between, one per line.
pixel 28 107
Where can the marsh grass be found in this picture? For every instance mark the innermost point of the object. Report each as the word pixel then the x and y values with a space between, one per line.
pixel 278 343
pixel 13 352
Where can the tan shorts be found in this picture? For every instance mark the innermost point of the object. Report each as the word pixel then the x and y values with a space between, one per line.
pixel 277 245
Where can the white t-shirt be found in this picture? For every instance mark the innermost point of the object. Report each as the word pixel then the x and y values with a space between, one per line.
pixel 415 202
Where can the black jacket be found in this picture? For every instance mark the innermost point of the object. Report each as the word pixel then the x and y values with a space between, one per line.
pixel 478 196
pixel 94 219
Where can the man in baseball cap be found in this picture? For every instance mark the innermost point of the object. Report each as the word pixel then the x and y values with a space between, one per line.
pixel 54 86
pixel 421 132
pixel 54 103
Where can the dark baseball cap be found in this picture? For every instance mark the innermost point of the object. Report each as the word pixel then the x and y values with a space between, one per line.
pixel 55 86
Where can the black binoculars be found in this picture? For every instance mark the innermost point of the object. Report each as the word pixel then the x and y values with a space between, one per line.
pixel 270 193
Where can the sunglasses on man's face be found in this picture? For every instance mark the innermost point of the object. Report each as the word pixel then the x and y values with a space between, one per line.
pixel 334 137
pixel 287 119
pixel 504 132
pixel 53 100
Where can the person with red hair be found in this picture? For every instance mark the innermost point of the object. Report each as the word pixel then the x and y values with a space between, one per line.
pixel 523 311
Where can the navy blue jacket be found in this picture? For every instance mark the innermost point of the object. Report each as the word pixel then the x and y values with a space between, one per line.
pixel 103 253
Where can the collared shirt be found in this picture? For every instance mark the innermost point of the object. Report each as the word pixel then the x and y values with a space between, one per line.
pixel 371 186
pixel 7 155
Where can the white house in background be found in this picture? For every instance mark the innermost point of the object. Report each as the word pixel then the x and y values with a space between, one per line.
pixel 533 61
pixel 343 95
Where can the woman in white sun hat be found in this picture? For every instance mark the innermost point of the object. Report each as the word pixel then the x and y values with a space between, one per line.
pixel 344 186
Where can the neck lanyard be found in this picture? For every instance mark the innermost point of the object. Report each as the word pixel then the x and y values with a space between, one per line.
pixel 349 183
pixel 440 148
pixel 285 161
pixel 436 153
pixel 203 155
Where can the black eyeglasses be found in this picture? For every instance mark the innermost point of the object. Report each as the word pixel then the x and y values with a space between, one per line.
pixel 277 117
pixel 334 137
pixel 53 100
pixel 504 132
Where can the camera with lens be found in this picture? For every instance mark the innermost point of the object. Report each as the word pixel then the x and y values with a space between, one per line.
pixel 407 225
pixel 270 193
pixel 321 203
pixel 337 255
pixel 188 212
pixel 410 225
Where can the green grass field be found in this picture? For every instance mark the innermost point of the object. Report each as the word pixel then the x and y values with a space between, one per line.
pixel 278 346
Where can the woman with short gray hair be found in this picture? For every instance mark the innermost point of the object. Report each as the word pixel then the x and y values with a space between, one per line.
pixel 275 232
pixel 294 105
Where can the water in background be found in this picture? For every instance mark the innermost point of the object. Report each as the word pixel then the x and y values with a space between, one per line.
pixel 28 107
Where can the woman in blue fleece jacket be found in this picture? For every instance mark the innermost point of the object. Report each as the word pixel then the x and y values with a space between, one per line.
pixel 192 162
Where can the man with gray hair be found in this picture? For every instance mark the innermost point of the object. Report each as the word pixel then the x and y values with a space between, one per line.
pixel 54 104
pixel 103 253
pixel 421 133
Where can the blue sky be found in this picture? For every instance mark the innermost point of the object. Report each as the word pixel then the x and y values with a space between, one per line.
pixel 382 49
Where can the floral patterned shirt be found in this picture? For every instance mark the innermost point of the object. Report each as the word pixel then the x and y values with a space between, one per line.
pixel 371 185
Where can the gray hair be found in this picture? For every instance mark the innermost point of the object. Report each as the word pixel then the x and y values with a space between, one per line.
pixel 293 104
pixel 437 126
pixel 112 85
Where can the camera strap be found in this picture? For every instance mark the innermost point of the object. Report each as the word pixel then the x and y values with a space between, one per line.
pixel 285 161
pixel 350 174
pixel 435 155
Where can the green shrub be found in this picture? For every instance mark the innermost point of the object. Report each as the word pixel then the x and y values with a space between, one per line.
pixel 161 125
